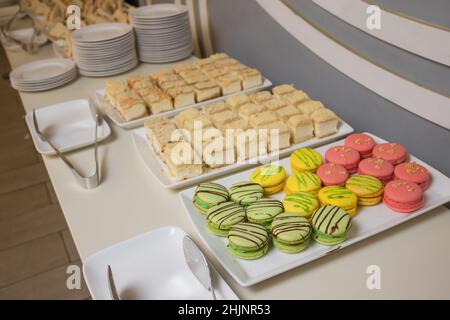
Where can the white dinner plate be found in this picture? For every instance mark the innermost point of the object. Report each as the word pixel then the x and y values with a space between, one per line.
pixel 159 170
pixel 368 222
pixel 113 114
pixel 150 266
pixel 69 125
pixel 101 32
pixel 42 70
pixel 158 12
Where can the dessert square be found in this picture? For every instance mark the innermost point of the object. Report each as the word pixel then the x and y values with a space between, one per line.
pixel 325 122
pixel 160 136
pixel 223 117
pixel 259 119
pixel 181 160
pixel 310 106
pixel 301 127
pixel 185 115
pixel 237 100
pixel 206 90
pixel 249 109
pixel 286 112
pixel 215 107
pixel 172 84
pixel 283 89
pixel 250 78
pixel 296 97
pixel 182 96
pixel 275 104
pixel 229 84
pixel 260 97
pixel 113 88
pixel 249 144
pixel 130 106
pixel 278 136
pixel 184 67
pixel 156 100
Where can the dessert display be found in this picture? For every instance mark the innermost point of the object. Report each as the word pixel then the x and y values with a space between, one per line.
pixel 185 84
pixel 92 12
pixel 291 233
pixel 330 225
pixel 248 241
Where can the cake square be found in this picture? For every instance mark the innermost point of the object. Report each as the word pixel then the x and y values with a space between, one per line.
pixel 286 112
pixel 223 117
pixel 260 119
pixel 310 106
pixel 184 67
pixel 172 84
pixel 229 84
pixel 156 100
pixel 206 90
pixel 130 106
pixel 260 97
pixel 160 136
pixel 215 107
pixel 275 104
pixel 250 78
pixel 278 136
pixel 249 109
pixel 185 115
pixel 237 100
pixel 182 161
pixel 182 96
pixel 283 89
pixel 250 144
pixel 113 88
pixel 218 56
pixel 296 97
pixel 325 122
pixel 301 127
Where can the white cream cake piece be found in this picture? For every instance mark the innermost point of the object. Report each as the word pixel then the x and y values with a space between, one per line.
pixel 250 144
pixel 180 118
pixel 182 96
pixel 236 101
pixel 310 106
pixel 285 113
pixel 301 127
pixel 296 97
pixel 278 136
pixel 260 119
pixel 280 90
pixel 260 97
pixel 250 109
pixel 206 90
pixel 250 78
pixel 325 122
pixel 130 106
pixel 275 103
pixel 229 84
pixel 180 159
pixel 213 108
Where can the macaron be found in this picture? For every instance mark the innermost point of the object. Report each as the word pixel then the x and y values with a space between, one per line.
pixel 332 174
pixel 330 225
pixel 344 156
pixel 291 233
pixel 263 211
pixel 270 178
pixel 393 152
pixel 301 203
pixel 245 192
pixel 403 196
pixel 223 216
pixel 340 197
pixel 378 168
pixel 305 159
pixel 414 172
pixel 369 190
pixel 362 143
pixel 208 194
pixel 248 241
pixel 303 181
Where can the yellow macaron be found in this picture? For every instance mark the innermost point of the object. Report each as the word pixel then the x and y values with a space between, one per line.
pixel 369 190
pixel 303 181
pixel 302 203
pixel 270 177
pixel 305 159
pixel 339 197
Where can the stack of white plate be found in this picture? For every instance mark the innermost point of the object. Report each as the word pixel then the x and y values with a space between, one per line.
pixel 104 49
pixel 162 31
pixel 43 74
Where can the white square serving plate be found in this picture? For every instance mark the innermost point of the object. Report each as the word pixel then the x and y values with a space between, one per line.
pixel 150 266
pixel 368 222
pixel 68 125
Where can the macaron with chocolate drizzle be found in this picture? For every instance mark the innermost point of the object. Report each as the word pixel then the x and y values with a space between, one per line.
pixel 246 192
pixel 291 232
pixel 208 194
pixel 330 224
pixel 223 216
pixel 248 241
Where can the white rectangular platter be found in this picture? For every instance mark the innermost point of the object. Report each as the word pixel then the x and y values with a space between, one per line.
pixel 68 125
pixel 113 114
pixel 368 222
pixel 150 266
pixel 159 170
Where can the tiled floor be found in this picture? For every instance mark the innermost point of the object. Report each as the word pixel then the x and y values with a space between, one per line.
pixel 35 245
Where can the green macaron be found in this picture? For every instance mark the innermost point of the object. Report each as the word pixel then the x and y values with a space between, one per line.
pixel 291 232
pixel 248 240
pixel 246 192
pixel 222 216
pixel 263 211
pixel 209 194
pixel 330 224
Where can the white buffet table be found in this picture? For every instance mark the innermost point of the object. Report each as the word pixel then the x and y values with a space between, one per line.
pixel 413 257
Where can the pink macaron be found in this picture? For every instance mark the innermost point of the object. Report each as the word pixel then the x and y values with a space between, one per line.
pixel 403 196
pixel 332 174
pixel 378 168
pixel 393 152
pixel 413 172
pixel 344 156
pixel 362 143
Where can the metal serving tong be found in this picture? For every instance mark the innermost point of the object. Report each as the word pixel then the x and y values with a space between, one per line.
pixel 87 182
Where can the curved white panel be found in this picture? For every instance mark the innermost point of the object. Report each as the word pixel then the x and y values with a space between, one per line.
pixel 410 96
pixel 421 39
pixel 206 28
